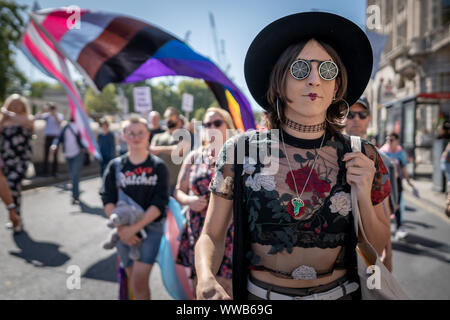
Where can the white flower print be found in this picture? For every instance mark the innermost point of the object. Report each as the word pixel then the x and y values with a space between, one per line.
pixel 259 180
pixel 248 168
pixel 304 273
pixel 341 202
pixel 220 184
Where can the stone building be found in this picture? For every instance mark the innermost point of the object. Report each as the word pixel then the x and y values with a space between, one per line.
pixel 410 93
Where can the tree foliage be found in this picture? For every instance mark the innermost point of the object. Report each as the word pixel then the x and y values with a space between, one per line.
pixel 105 102
pixel 165 94
pixel 11 28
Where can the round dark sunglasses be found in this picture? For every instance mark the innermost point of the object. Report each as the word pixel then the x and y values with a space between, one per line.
pixel 362 114
pixel 216 123
pixel 301 68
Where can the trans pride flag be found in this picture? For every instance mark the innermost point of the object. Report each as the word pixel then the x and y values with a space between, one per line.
pixel 113 48
pixel 42 53
pixel 175 277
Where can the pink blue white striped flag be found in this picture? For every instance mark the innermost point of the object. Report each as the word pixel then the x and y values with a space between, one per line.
pixel 42 53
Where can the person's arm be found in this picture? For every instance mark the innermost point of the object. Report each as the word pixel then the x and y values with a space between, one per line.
pixel 406 175
pixel 181 194
pixel 108 191
pixel 59 118
pixel 162 149
pixel 386 257
pixel 366 175
pixel 209 249
pixel 26 121
pixel 182 147
pixel 58 140
pixel 109 208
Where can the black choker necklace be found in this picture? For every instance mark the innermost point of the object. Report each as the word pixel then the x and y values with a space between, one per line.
pixel 305 128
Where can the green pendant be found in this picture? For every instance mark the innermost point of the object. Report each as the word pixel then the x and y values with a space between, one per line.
pixel 297 203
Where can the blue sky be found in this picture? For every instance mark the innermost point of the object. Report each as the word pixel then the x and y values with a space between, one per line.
pixel 237 23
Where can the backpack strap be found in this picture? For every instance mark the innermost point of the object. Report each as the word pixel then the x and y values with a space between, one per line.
pixel 122 195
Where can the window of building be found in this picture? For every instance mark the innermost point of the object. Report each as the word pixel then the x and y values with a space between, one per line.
pixel 389 11
pixel 401 34
pixel 424 14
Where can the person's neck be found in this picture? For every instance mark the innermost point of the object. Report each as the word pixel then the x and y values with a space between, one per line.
pixel 138 156
pixel 306 121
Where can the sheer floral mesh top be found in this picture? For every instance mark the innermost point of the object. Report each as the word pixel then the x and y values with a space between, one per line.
pixel 307 244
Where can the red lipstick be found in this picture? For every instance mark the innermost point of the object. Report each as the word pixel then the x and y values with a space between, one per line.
pixel 312 96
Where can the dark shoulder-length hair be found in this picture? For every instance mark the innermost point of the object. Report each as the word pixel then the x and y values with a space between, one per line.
pixel 337 110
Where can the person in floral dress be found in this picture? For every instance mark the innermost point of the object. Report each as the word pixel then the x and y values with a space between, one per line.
pixel 288 189
pixel 192 190
pixel 16 129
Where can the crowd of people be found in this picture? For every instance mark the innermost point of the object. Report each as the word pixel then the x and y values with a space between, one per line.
pixel 249 233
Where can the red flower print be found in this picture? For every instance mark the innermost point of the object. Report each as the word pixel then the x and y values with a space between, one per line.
pixel 314 184
pixel 325 225
pixel 307 225
pixel 378 194
pixel 317 230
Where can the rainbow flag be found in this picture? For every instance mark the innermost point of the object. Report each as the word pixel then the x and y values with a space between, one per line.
pixel 42 53
pixel 107 48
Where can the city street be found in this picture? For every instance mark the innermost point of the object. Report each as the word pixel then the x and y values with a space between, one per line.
pixel 59 235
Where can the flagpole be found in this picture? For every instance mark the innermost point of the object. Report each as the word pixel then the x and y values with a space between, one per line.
pixel 57 46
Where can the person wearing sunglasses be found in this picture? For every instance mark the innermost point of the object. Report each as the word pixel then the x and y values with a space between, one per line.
pixel 358 118
pixel 140 179
pixel 293 231
pixel 192 191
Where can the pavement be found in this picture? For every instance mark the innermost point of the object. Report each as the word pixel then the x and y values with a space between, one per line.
pixel 62 240
pixel 430 199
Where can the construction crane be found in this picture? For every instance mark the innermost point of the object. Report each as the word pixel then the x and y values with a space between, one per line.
pixel 220 52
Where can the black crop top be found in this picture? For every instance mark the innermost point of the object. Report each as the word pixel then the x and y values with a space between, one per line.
pixel 268 187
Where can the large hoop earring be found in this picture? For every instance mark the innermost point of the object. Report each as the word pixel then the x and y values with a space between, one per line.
pixel 348 110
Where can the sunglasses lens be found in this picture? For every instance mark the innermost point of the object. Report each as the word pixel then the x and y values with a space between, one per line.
pixel 363 115
pixel 300 69
pixel 350 115
pixel 328 70
pixel 217 123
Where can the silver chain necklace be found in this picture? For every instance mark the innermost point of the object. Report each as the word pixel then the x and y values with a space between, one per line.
pixel 297 202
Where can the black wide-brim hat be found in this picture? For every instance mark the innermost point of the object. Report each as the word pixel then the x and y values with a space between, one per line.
pixel 345 37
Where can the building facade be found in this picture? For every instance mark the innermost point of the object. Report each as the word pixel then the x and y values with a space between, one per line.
pixel 410 93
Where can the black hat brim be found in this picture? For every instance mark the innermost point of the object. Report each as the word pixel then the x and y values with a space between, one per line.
pixel 344 36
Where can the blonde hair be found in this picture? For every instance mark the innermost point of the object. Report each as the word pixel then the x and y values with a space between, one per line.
pixel 134 119
pixel 22 99
pixel 225 115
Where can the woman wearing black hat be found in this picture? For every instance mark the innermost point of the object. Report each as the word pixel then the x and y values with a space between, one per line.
pixel 294 233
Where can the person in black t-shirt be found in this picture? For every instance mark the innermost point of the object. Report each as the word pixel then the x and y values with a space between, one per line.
pixel 143 179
